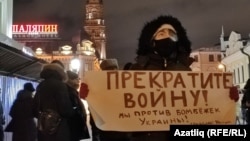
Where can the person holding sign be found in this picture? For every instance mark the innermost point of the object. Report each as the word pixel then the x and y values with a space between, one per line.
pixel 163 45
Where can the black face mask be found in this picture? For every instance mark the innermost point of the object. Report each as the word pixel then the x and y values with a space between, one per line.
pixel 165 47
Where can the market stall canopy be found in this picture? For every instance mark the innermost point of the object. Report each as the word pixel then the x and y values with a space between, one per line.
pixel 17 61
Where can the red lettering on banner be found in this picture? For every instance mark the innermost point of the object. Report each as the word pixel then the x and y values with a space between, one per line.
pixel 36 28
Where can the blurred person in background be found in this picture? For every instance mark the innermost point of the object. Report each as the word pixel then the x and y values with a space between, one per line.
pixel 78 121
pixel 22 124
pixel 2 121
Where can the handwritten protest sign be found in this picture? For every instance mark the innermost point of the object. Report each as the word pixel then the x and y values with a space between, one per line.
pixel 152 100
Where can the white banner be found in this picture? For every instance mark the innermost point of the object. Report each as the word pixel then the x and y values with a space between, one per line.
pixel 152 100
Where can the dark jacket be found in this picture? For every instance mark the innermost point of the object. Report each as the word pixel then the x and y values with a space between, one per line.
pixel 52 93
pixel 153 61
pixel 22 123
pixel 77 122
pixel 2 122
pixel 245 99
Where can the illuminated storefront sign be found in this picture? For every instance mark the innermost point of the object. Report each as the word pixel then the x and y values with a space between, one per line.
pixel 35 30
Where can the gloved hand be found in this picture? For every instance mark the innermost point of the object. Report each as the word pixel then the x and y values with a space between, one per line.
pixel 234 94
pixel 84 90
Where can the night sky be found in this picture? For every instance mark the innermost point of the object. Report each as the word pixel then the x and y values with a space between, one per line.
pixel 124 19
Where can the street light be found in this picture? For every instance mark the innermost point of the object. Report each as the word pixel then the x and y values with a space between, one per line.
pixel 222 67
pixel 39 51
pixel 75 65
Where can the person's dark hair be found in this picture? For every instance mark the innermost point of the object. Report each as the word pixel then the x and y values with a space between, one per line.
pixel 29 86
pixel 127 66
pixel 109 64
pixel 53 70
pixel 72 75
pixel 58 62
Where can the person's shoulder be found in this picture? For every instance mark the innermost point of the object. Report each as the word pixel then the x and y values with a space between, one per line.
pixel 247 94
pixel 21 91
pixel 141 62
pixel 70 89
pixel 137 66
pixel 246 91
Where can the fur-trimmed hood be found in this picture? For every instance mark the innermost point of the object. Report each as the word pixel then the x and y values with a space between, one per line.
pixel 145 39
pixel 53 70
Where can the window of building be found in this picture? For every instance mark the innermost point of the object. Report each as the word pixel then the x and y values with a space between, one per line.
pixel 196 58
pixel 242 71
pixel 86 67
pixel 211 58
pixel 219 57
pixel 238 71
pixel 90 16
pixel 234 78
pixel 99 21
pixel 93 13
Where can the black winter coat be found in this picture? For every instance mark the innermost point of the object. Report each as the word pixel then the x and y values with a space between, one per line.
pixel 245 99
pixel 156 62
pixel 52 93
pixel 22 123
pixel 78 121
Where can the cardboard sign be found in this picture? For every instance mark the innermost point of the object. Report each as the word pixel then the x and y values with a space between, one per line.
pixel 153 100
